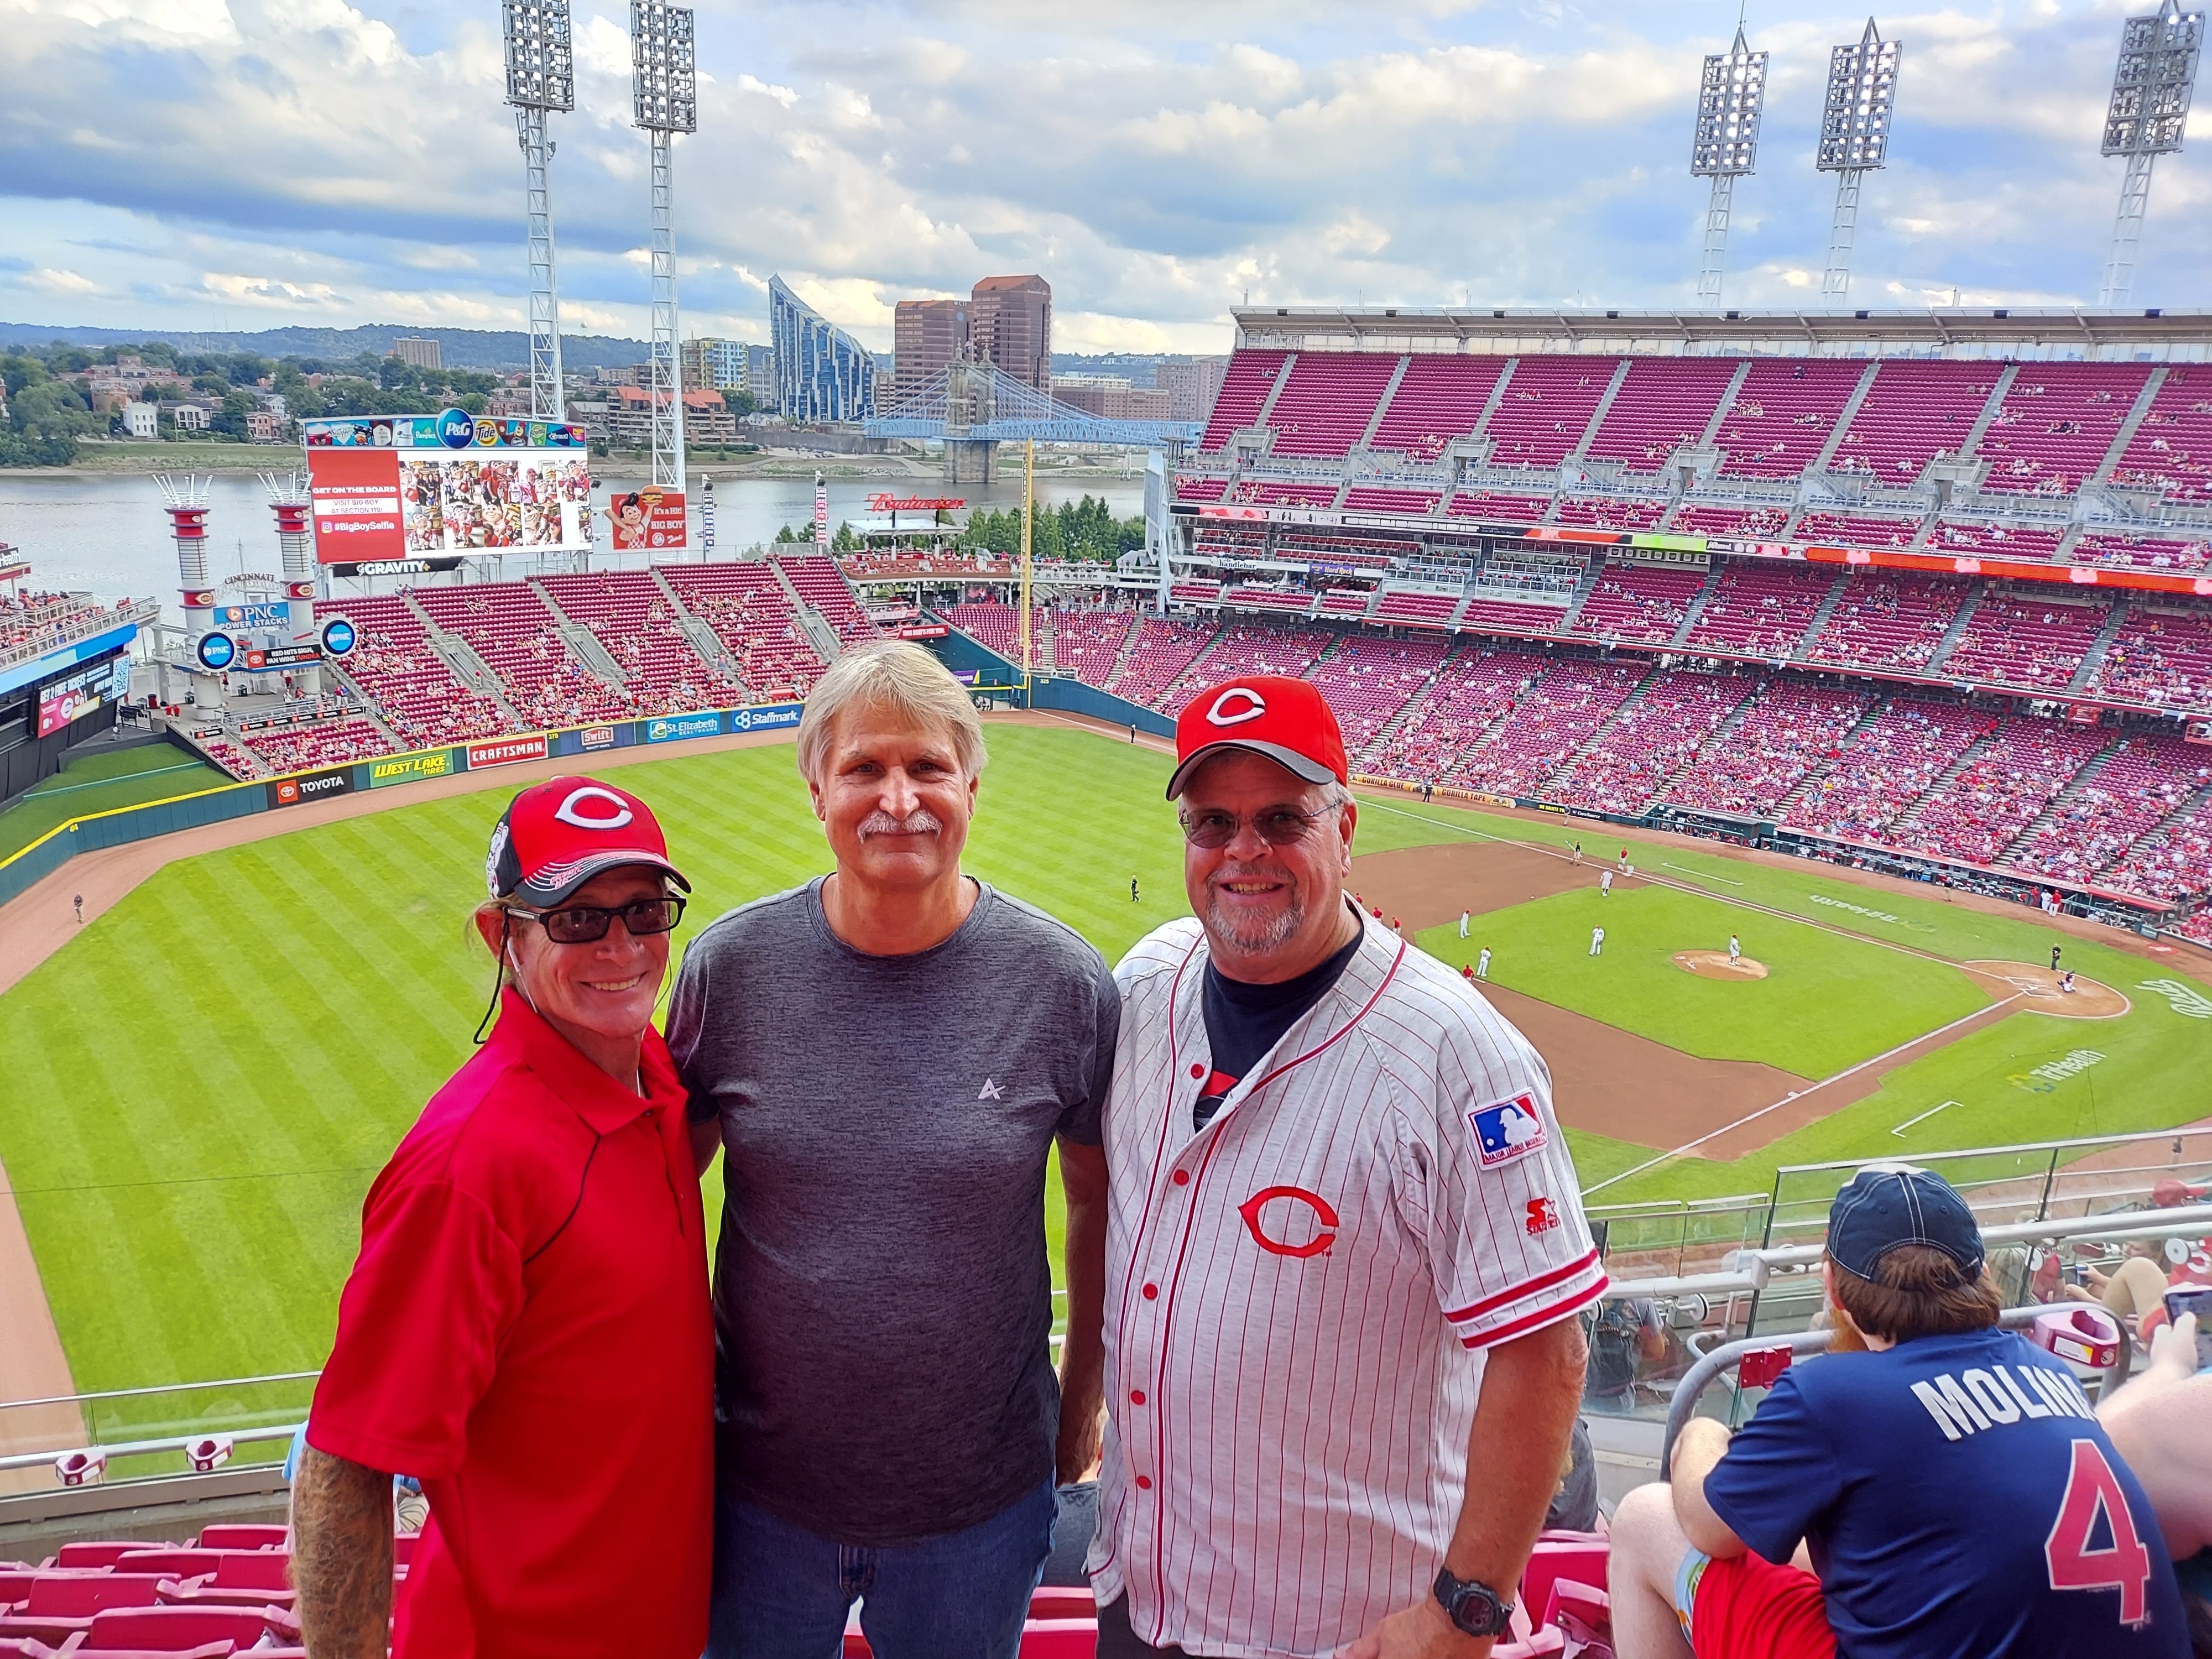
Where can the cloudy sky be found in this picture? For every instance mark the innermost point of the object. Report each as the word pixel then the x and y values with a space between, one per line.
pixel 250 163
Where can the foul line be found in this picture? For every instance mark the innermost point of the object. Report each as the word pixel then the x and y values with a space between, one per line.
pixel 1697 875
pixel 1800 1094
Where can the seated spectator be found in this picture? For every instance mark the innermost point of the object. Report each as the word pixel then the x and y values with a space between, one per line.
pixel 1947 1481
pixel 2162 1425
pixel 2133 1288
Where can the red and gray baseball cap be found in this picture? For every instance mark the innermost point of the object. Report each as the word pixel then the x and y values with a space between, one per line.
pixel 557 834
pixel 1287 721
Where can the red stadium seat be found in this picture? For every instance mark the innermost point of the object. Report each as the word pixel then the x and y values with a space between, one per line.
pixel 204 1650
pixel 95 1554
pixel 241 1537
pixel 1581 1558
pixel 170 1561
pixel 1063 1602
pixel 1059 1638
pixel 243 1578
pixel 179 1630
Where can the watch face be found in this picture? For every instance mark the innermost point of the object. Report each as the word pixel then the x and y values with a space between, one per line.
pixel 1474 1607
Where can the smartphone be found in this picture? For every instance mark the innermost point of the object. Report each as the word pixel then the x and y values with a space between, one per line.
pixel 2198 1301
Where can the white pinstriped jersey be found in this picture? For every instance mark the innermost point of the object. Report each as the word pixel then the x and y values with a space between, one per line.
pixel 1297 1295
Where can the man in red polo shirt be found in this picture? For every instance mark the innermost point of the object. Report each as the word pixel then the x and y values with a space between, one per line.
pixel 526 1330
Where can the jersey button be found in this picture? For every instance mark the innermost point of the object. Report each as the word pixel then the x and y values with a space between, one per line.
pixel 1197 1070
pixel 1144 1483
pixel 1152 1292
pixel 1182 1178
pixel 1136 1396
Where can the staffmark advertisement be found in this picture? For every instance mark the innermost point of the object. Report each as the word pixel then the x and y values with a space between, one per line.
pixel 768 717
pixel 682 725
pixel 410 769
pixel 506 752
pixel 311 786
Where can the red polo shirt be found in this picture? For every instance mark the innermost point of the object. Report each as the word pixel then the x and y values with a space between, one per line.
pixel 527 1331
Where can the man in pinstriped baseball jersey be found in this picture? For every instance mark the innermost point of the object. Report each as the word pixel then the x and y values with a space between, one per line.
pixel 1345 1246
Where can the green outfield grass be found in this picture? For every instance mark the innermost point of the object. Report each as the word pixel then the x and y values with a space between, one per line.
pixel 203 1083
pixel 100 782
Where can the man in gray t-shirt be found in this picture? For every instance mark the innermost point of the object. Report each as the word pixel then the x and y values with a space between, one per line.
pixel 886 1056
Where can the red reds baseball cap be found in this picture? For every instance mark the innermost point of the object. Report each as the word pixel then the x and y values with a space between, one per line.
pixel 557 834
pixel 1287 721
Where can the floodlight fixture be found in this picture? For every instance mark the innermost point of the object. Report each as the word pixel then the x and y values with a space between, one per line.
pixel 541 77
pixel 1855 138
pixel 2152 86
pixel 664 72
pixel 1731 97
pixel 541 67
pixel 664 94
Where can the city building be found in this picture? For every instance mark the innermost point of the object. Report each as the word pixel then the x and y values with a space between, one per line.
pixel 1191 385
pixel 264 428
pixel 760 377
pixel 509 403
pixel 823 373
pixel 142 420
pixel 1111 398
pixel 707 419
pixel 926 335
pixel 188 416
pixel 720 364
pixel 1009 319
pixel 417 353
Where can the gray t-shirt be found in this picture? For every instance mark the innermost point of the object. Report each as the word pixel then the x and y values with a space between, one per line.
pixel 882 1296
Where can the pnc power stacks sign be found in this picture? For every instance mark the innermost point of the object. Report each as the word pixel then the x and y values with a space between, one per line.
pixel 395 487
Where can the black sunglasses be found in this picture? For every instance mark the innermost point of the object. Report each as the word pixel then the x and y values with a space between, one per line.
pixel 583 924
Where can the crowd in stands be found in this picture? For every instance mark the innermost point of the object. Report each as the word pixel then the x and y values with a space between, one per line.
pixel 304 748
pixel 1789 729
pixel 1981 810
pixel 410 683
pixel 1646 602
pixel 1367 679
pixel 1889 763
pixel 1474 686
pixel 2160 657
pixel 1548 723
pixel 1656 735
pixel 1883 620
pixel 2025 640
pixel 32 621
pixel 2145 778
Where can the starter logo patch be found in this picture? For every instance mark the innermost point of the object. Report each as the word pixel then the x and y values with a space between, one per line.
pixel 1512 1128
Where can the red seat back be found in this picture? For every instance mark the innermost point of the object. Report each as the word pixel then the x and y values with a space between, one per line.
pixel 254 1570
pixel 1582 1559
pixel 1063 1602
pixel 204 1650
pixel 257 1536
pixel 91 1553
pixel 172 1562
pixel 79 1596
pixel 173 1629
pixel 1059 1638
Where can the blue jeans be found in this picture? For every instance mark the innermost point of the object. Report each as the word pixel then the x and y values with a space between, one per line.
pixel 781 1592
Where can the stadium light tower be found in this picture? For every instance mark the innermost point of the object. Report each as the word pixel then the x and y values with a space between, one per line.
pixel 1855 138
pixel 665 84
pixel 1726 143
pixel 541 77
pixel 2151 90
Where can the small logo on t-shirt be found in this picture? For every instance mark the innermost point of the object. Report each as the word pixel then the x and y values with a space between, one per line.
pixel 1543 1216
pixel 1512 1128
pixel 992 1089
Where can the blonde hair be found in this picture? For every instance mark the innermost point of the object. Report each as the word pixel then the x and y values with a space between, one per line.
pixel 901 678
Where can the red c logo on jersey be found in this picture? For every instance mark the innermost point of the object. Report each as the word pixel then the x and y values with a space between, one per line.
pixel 1324 1213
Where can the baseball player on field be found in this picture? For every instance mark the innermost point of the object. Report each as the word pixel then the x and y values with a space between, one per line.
pixel 1344 1247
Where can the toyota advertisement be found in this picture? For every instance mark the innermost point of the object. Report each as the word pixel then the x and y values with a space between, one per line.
pixel 410 487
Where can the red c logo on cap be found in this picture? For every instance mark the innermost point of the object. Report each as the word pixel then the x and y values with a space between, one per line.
pixel 1324 1212
pixel 568 811
pixel 1252 706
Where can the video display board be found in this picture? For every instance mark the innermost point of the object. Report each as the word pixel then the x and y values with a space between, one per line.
pixel 72 699
pixel 409 487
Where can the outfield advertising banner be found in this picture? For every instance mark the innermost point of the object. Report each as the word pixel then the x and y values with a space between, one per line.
pixel 650 518
pixel 768 717
pixel 311 786
pixel 82 693
pixel 411 769
pixel 507 752
pixel 674 727
pixel 406 486
pixel 594 738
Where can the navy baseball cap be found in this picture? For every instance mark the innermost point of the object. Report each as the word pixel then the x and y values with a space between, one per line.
pixel 1885 1206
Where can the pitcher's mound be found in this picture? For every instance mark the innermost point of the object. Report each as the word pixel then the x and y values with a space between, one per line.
pixel 1715 965
pixel 2039 991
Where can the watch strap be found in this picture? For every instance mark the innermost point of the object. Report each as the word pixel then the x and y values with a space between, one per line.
pixel 1472 1605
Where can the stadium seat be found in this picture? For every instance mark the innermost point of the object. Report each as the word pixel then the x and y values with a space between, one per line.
pixel 173 1629
pixel 95 1553
pixel 1579 1557
pixel 1059 1638
pixel 1057 1602
pixel 61 1605
pixel 242 1537
pixel 243 1578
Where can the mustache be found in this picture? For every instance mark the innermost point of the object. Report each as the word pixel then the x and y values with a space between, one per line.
pixel 920 821
pixel 1229 873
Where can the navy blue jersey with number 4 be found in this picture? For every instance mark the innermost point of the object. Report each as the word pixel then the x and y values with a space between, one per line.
pixel 1959 1502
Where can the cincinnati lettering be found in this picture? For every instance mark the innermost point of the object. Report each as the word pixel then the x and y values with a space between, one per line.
pixel 1977 1401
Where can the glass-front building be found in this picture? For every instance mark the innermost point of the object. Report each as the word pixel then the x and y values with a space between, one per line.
pixel 821 372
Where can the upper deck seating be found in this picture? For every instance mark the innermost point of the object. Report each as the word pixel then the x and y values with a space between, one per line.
pixel 1783 414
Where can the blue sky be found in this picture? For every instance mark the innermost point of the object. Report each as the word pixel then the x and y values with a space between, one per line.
pixel 251 163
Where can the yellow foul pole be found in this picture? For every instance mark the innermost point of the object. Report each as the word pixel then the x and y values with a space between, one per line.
pixel 1029 512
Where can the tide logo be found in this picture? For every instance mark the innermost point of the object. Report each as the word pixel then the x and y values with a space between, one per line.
pixel 1319 1223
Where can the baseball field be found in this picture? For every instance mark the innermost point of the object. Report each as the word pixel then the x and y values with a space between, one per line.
pixel 203 1080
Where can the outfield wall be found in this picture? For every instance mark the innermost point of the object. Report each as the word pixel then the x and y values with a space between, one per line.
pixel 19 873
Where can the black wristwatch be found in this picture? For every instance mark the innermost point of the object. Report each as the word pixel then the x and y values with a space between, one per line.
pixel 1474 1607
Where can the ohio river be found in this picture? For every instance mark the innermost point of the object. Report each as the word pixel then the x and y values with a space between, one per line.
pixel 106 532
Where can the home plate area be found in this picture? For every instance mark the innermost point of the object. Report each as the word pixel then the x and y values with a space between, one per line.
pixel 2039 991
pixel 1715 965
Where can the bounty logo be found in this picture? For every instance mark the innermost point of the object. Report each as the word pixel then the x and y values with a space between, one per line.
pixel 2183 999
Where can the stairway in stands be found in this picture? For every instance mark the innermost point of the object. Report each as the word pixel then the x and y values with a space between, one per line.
pixel 462 661
pixel 1827 609
pixel 1810 783
pixel 2093 657
pixel 703 639
pixel 1598 732
pixel 1583 589
pixel 1957 630
pixel 1122 657
pixel 1720 737
pixel 368 709
pixel 2059 803
pixel 583 645
pixel 1705 591
pixel 1973 751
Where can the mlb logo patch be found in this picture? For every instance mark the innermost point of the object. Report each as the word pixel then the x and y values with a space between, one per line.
pixel 1512 1128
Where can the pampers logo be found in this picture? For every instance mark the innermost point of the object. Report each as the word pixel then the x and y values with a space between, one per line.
pixel 2042 1080
pixel 2183 999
